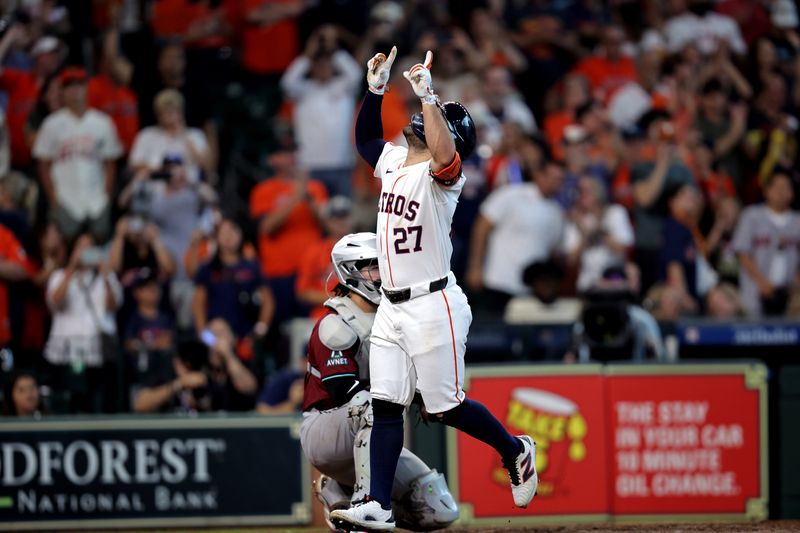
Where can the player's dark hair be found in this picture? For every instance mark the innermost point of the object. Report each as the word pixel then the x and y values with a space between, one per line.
pixel 341 290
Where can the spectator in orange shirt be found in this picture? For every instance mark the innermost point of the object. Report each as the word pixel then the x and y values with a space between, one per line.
pixel 13 262
pixel 315 282
pixel 23 88
pixel 49 101
pixel 575 95
pixel 494 41
pixel 285 209
pixel 714 183
pixel 110 92
pixel 610 69
pixel 266 23
pixel 197 24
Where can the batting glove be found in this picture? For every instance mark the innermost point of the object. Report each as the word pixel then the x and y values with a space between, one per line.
pixel 378 70
pixel 419 76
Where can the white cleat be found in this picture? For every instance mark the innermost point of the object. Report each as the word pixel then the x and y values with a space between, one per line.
pixel 367 515
pixel 524 479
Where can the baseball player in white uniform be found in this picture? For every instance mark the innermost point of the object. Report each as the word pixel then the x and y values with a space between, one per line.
pixel 419 336
pixel 337 414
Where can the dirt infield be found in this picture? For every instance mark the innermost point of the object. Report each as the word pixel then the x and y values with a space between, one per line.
pixel 727 527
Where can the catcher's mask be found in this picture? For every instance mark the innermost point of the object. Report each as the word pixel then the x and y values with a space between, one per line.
pixel 459 122
pixel 349 255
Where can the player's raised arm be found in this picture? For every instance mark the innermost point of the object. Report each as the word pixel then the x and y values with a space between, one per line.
pixel 369 126
pixel 437 135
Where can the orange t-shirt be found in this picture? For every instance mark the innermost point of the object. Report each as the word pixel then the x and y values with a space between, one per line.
pixel 394 114
pixel 606 76
pixel 268 49
pixel 316 273
pixel 13 252
pixel 171 18
pixel 23 91
pixel 282 252
pixel 117 101
pixel 554 126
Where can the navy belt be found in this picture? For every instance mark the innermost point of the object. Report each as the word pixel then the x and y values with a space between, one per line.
pixel 403 295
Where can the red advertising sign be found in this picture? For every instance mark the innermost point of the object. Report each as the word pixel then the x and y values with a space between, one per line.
pixel 684 444
pixel 621 440
pixel 565 417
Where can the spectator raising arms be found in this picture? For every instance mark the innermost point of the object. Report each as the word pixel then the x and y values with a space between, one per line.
pixel 110 92
pixel 83 297
pixel 23 87
pixel 598 235
pixel 285 209
pixel 315 279
pixel 680 254
pixel 323 83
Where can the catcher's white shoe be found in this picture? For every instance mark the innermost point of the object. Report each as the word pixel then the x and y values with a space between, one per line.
pixel 366 514
pixel 522 472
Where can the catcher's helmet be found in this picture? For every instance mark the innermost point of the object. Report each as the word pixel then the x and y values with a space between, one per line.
pixel 350 254
pixel 460 124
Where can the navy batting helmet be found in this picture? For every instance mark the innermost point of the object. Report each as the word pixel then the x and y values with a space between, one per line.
pixel 460 124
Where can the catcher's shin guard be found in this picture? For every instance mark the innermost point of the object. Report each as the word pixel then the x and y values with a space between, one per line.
pixel 428 506
pixel 359 413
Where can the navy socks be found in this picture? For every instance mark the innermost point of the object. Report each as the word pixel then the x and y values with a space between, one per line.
pixel 475 420
pixel 386 443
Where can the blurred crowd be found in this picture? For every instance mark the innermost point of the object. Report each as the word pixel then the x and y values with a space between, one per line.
pixel 174 173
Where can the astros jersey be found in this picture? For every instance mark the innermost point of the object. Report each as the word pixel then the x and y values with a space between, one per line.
pixel 414 217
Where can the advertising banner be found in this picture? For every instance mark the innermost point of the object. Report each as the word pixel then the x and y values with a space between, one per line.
pixel 562 409
pixel 165 472
pixel 739 334
pixel 687 442
pixel 658 441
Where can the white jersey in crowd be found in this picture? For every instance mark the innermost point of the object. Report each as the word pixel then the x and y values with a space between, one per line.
pixel 414 217
pixel 78 147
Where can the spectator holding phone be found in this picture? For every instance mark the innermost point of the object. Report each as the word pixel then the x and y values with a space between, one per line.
pixel 204 375
pixel 323 84
pixel 176 206
pixel 137 244
pixel 82 297
pixel 651 180
pixel 679 256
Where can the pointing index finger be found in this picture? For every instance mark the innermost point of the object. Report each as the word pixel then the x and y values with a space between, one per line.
pixel 428 59
pixel 391 57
